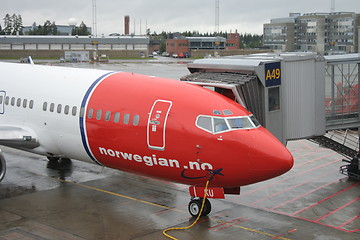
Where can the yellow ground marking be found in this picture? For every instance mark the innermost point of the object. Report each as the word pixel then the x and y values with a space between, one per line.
pixel 165 207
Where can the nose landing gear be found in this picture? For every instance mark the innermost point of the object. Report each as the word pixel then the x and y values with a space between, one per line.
pixel 196 204
pixel 2 166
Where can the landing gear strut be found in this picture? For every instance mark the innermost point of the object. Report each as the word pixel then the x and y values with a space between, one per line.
pixel 352 169
pixel 2 166
pixel 195 207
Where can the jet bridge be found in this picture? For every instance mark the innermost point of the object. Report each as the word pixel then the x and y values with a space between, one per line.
pixel 293 95
pixel 285 92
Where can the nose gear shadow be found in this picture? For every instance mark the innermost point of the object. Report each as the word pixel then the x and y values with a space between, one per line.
pixel 59 168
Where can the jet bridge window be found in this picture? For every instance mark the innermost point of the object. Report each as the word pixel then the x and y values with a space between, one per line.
pixel 274 99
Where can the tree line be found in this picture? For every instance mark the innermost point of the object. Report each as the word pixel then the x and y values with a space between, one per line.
pixel 247 40
pixel 13 26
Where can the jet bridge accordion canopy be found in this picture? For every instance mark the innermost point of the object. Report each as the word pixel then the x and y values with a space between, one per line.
pixel 245 89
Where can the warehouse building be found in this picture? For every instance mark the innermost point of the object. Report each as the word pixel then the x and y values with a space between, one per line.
pixel 55 46
pixel 181 44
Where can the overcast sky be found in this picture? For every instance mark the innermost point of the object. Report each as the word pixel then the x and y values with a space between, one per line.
pixel 247 16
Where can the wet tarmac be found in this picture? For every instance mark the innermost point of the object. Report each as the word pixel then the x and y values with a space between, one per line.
pixel 76 200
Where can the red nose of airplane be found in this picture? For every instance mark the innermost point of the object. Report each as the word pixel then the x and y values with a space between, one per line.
pixel 268 157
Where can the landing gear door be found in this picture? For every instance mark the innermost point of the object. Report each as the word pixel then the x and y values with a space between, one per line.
pixel 2 102
pixel 156 128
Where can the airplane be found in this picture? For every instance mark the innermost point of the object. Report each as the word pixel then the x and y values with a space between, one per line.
pixel 160 128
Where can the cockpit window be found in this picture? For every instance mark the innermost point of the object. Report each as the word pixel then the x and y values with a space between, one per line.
pixel 255 121
pixel 220 125
pixel 215 124
pixel 217 112
pixel 205 123
pixel 227 112
pixel 237 123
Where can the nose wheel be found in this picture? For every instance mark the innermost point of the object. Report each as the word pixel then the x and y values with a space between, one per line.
pixel 195 207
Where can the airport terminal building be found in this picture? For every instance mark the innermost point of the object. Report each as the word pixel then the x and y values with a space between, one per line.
pixel 56 46
pixel 325 33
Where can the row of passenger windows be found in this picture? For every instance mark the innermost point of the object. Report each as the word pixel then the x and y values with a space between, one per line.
pixel 96 114
pixel 17 102
pixel 115 117
pixel 59 108
pixel 73 110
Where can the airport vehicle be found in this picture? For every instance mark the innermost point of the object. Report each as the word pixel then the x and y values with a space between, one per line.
pixel 161 128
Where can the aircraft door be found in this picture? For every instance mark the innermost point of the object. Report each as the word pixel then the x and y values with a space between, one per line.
pixel 2 101
pixel 156 128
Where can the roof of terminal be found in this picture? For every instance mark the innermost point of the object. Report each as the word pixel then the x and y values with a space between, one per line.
pixel 73 39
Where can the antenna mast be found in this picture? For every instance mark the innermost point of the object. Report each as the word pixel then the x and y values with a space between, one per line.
pixel 94 30
pixel 217 15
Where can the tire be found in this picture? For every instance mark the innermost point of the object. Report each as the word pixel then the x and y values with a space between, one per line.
pixel 2 167
pixel 195 207
pixel 207 208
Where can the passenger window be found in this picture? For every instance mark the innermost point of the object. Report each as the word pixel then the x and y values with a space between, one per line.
pixel 12 101
pixel 45 106
pixel 116 117
pixel 31 104
pixel 25 103
pixel 74 110
pixel 204 123
pixel 67 109
pixel 18 102
pixel 220 125
pixel 107 116
pixel 59 107
pixel 1 99
pixel 136 120
pixel 126 118
pixel 7 99
pixel 82 112
pixel 52 107
pixel 90 113
pixel 98 114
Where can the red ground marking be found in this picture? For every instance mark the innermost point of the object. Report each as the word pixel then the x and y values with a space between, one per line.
pixel 307 146
pixel 223 223
pixel 231 224
pixel 349 221
pixel 337 209
pixel 305 194
pixel 293 230
pixel 285 179
pixel 295 186
pixel 325 199
pixel 313 160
